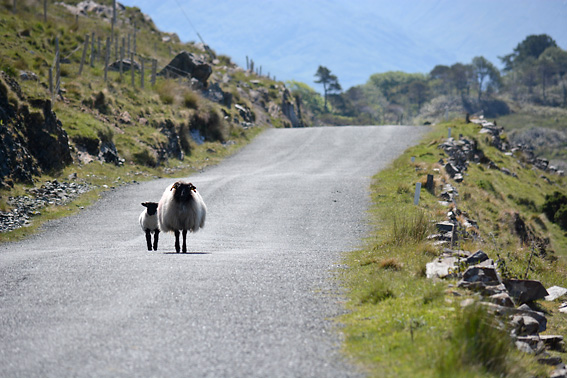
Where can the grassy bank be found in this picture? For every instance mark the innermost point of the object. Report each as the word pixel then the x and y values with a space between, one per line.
pixel 402 324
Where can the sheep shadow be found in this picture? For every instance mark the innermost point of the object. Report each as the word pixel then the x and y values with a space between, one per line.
pixel 186 253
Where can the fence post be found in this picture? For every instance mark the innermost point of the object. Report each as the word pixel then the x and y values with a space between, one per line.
pixel 106 58
pixel 121 58
pixel 44 10
pixel 132 69
pixel 92 49
pixel 142 73
pixel 51 83
pixel 154 69
pixel 98 50
pixel 417 193
pixel 84 54
pixel 14 7
pixel 57 67
pixel 135 38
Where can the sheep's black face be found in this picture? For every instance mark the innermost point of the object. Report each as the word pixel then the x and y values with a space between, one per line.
pixel 151 207
pixel 183 191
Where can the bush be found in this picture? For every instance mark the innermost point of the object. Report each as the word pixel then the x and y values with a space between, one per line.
pixel 554 204
pixel 561 217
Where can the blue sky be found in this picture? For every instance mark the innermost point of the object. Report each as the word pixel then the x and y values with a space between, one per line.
pixel 357 38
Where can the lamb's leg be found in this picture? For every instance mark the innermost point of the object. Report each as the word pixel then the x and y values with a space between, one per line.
pixel 177 248
pixel 156 238
pixel 149 240
pixel 184 241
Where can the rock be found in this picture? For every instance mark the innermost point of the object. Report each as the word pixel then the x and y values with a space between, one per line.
pixel 563 307
pixel 502 299
pixel 443 267
pixel 127 65
pixel 554 342
pixel 445 226
pixel 478 257
pixel 525 290
pixel 551 361
pixel 555 292
pixel 186 64
pixel 523 325
pixel 559 373
pixel 216 94
pixel 485 275
pixel 522 310
pixel 173 147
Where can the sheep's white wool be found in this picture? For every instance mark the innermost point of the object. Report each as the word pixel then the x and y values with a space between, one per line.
pixel 148 222
pixel 177 216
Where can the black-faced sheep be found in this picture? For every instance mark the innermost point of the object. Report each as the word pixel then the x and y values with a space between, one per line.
pixel 181 208
pixel 149 222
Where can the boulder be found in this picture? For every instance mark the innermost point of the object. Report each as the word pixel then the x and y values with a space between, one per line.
pixel 555 292
pixel 478 257
pixel 186 64
pixel 524 325
pixel 484 275
pixel 525 290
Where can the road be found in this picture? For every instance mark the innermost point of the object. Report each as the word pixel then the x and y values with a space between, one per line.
pixel 255 296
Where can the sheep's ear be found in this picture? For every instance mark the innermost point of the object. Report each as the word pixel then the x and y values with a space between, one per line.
pixel 145 204
pixel 175 186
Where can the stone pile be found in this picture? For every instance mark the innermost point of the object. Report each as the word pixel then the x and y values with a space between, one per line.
pixel 495 132
pixel 508 299
pixel 24 207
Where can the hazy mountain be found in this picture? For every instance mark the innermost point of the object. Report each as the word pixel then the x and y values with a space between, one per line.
pixel 354 39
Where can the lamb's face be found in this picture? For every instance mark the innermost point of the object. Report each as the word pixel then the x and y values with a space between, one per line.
pixel 182 191
pixel 151 207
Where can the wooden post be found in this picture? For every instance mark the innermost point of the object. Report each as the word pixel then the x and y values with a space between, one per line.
pixel 44 10
pixel 121 58
pixel 84 54
pixel 142 73
pixel 57 68
pixel 99 50
pixel 154 69
pixel 14 7
pixel 135 39
pixel 129 51
pixel 132 69
pixel 92 49
pixel 51 83
pixel 113 20
pixel 106 58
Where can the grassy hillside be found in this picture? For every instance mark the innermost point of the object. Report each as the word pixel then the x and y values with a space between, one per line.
pixel 403 324
pixel 118 113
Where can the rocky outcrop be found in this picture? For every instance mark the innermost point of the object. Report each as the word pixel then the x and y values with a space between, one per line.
pixel 188 65
pixel 288 110
pixel 31 136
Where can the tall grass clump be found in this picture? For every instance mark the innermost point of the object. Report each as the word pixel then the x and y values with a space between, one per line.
pixel 409 226
pixel 478 347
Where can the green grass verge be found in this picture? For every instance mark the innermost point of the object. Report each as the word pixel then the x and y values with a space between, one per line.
pixel 402 324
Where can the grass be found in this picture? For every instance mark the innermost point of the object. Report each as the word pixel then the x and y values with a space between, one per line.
pixel 402 324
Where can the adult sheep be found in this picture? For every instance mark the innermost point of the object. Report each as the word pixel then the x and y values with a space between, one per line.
pixel 181 208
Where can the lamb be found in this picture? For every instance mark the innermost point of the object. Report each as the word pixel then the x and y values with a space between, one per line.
pixel 181 208
pixel 149 222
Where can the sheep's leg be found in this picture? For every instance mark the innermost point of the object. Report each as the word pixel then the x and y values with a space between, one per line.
pixel 184 241
pixel 149 239
pixel 156 238
pixel 177 248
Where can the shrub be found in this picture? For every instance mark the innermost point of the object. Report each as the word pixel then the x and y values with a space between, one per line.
pixel 561 217
pixel 553 203
pixel 409 226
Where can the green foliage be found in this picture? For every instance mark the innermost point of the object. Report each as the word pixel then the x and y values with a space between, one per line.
pixel 477 344
pixel 555 208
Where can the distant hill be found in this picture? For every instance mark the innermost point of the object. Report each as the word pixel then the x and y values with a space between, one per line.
pixel 290 39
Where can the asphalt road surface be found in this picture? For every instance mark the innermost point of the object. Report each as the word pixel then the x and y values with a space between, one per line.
pixel 254 297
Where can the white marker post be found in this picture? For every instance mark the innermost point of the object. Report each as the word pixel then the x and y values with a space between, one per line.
pixel 417 193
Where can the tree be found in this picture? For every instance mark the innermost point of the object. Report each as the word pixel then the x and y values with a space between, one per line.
pixel 533 46
pixel 482 70
pixel 330 82
pixel 461 75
